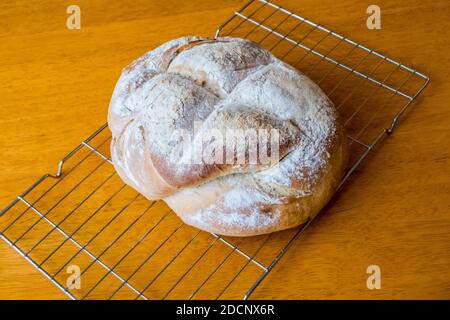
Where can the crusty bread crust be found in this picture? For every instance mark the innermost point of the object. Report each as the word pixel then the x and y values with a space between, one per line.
pixel 226 83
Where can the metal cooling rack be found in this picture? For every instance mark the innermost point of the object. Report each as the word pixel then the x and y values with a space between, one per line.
pixel 83 218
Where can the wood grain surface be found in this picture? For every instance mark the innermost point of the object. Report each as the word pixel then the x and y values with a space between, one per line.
pixel 394 211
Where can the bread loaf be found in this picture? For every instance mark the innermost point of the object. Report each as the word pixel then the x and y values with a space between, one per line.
pixel 235 141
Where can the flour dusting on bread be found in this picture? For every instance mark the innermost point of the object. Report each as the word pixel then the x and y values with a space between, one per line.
pixel 225 83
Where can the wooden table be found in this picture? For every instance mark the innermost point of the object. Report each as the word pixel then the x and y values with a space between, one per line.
pixel 394 212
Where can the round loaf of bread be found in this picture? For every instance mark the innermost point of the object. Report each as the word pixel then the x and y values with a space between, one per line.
pixel 235 141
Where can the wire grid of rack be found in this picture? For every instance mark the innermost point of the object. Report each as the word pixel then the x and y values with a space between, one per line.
pixel 83 223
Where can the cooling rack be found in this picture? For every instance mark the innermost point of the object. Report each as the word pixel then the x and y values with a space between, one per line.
pixel 96 238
